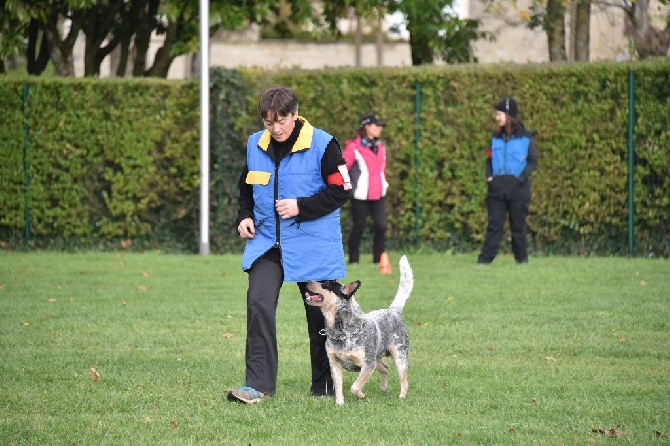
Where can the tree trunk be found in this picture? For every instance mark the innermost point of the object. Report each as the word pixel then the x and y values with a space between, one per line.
pixel 145 26
pixel 37 50
pixel 98 26
pixel 640 19
pixel 61 48
pixel 119 58
pixel 583 31
pixel 380 37
pixel 163 59
pixel 422 54
pixel 571 27
pixel 358 40
pixel 649 41
pixel 554 26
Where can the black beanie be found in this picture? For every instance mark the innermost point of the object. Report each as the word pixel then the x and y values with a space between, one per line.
pixel 509 106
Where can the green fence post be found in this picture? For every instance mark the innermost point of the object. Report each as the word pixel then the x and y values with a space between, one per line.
pixel 417 164
pixel 26 167
pixel 631 187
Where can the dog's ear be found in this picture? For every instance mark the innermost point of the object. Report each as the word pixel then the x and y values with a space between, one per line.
pixel 351 288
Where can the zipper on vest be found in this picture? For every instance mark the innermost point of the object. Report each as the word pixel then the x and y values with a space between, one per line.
pixel 276 196
pixel 505 159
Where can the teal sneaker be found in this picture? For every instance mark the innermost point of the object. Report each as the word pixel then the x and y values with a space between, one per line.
pixel 246 394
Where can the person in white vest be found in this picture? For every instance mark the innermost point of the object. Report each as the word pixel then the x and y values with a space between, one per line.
pixel 366 160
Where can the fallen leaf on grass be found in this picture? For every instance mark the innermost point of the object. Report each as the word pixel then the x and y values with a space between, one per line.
pixel 660 434
pixel 418 322
pixel 608 432
pixel 95 376
pixel 550 359
pixel 228 335
pixel 173 424
pixel 142 288
pixel 511 431
pixel 145 274
pixel 622 339
pixel 52 300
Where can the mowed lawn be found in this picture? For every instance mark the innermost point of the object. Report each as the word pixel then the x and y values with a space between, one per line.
pixel 126 349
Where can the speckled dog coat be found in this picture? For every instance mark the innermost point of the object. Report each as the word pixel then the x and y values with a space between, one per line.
pixel 357 341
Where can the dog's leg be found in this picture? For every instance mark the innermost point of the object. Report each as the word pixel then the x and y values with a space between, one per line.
pixel 336 374
pixel 404 385
pixel 357 386
pixel 384 370
pixel 401 360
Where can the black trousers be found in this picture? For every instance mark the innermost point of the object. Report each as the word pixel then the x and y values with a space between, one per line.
pixel 359 214
pixel 499 204
pixel 265 281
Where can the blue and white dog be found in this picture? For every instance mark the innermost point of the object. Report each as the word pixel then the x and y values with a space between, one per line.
pixel 357 341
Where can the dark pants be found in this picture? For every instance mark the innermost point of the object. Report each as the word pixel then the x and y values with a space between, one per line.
pixel 359 214
pixel 511 199
pixel 265 281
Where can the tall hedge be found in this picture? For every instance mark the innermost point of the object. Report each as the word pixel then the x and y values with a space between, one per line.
pixel 118 160
pixel 105 161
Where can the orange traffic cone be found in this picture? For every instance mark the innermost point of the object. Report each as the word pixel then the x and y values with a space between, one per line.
pixel 384 264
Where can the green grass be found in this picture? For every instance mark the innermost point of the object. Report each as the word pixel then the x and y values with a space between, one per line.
pixel 539 354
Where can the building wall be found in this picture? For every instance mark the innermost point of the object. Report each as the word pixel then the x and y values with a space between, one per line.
pixel 519 44
pixel 309 55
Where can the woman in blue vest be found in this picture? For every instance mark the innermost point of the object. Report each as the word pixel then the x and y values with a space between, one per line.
pixel 512 158
pixel 291 190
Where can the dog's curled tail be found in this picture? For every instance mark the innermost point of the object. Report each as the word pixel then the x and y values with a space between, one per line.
pixel 404 287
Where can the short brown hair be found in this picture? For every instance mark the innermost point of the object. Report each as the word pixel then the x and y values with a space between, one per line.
pixel 281 101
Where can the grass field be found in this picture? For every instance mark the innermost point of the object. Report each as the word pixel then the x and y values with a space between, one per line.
pixel 561 351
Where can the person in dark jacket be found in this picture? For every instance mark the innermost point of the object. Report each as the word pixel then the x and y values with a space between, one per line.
pixel 291 190
pixel 512 158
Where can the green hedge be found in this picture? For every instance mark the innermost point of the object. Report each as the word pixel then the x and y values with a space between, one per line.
pixel 112 160
pixel 107 160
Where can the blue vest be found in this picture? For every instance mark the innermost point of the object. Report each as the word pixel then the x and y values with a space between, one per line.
pixel 310 249
pixel 509 157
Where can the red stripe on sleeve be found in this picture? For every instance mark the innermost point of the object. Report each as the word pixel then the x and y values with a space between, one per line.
pixel 335 178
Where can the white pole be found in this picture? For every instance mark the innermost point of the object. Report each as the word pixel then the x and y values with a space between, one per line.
pixel 204 127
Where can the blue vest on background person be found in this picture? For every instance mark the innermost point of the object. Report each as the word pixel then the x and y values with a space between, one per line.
pixel 509 157
pixel 310 249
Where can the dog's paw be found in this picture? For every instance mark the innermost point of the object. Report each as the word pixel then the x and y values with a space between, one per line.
pixel 358 394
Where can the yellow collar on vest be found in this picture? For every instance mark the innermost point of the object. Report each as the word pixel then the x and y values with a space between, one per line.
pixel 303 142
